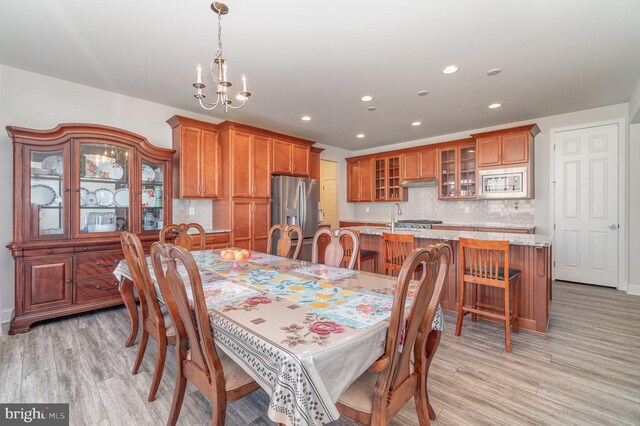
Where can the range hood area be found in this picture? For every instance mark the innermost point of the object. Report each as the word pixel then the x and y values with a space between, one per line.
pixel 416 183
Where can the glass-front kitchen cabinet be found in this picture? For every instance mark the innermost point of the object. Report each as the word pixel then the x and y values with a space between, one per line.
pixel 457 171
pixel 76 188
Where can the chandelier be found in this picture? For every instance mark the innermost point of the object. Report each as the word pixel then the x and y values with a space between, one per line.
pixel 218 67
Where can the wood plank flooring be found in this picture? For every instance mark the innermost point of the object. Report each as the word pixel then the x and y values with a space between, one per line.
pixel 586 371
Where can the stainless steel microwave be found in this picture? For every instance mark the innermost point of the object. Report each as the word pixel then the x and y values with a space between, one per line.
pixel 503 183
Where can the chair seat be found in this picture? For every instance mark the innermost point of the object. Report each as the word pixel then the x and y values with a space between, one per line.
pixel 234 376
pixel 359 396
pixel 367 253
pixel 512 273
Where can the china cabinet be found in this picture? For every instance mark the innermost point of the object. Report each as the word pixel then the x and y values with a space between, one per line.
pixel 76 187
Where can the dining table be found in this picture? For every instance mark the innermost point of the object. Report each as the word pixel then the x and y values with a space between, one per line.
pixel 304 331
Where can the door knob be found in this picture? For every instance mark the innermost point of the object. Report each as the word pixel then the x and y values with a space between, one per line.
pixel 613 226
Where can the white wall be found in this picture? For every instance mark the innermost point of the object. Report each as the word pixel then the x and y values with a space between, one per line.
pixel 634 209
pixel 40 102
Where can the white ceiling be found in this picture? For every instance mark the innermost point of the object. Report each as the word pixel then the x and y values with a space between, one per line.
pixel 319 58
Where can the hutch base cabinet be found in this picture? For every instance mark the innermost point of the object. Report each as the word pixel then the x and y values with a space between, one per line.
pixel 76 188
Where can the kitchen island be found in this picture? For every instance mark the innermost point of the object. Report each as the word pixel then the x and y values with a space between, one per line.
pixel 530 253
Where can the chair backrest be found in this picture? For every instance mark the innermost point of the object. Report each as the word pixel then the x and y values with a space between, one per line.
pixel 284 242
pixel 396 249
pixel 407 335
pixel 334 253
pixel 347 245
pixel 192 326
pixel 139 269
pixel 183 238
pixel 481 261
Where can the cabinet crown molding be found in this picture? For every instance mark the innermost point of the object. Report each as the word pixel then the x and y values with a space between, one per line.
pixel 531 128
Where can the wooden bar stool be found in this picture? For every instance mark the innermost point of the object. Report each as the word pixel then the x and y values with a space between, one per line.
pixel 484 263
pixel 396 249
pixel 365 255
pixel 183 238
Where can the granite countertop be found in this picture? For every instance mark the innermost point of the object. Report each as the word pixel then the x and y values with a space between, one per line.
pixel 209 231
pixel 495 225
pixel 535 240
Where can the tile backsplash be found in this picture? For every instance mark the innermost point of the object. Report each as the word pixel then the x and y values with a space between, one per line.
pixel 201 211
pixel 423 203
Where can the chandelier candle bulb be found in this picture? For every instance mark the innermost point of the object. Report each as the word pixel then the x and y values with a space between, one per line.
pixel 199 70
pixel 244 83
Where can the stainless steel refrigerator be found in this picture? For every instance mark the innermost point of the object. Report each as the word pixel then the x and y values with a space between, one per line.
pixel 294 201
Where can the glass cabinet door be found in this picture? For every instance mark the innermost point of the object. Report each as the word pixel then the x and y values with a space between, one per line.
pixel 393 166
pixel 152 196
pixel 48 196
pixel 103 192
pixel 448 173
pixel 468 172
pixel 381 179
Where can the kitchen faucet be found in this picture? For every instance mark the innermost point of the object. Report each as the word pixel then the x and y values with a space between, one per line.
pixel 393 215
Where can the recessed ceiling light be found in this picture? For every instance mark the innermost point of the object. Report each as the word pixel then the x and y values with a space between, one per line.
pixel 306 118
pixel 494 106
pixel 416 123
pixel 450 69
pixel 360 135
pixel 423 93
pixel 494 71
pixel 371 108
pixel 366 98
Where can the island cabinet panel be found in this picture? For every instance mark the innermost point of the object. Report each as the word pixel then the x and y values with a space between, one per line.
pixel 534 282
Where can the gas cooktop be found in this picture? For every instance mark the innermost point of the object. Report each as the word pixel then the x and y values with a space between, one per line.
pixel 417 223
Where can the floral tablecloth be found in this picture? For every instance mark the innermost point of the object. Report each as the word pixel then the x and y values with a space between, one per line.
pixel 303 331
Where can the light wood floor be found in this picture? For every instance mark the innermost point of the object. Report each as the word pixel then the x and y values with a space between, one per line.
pixel 585 371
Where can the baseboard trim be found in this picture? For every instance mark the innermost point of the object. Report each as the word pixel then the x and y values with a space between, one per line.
pixel 633 289
pixel 6 315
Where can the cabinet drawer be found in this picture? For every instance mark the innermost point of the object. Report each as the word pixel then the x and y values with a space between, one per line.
pixel 47 251
pixel 217 238
pixel 99 264
pixel 90 248
pixel 104 287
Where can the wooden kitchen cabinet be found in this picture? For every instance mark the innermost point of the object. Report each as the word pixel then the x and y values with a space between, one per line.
pixel 251 221
pixel 419 164
pixel 290 158
pixel 250 160
pixel 314 163
pixel 457 171
pixel 359 180
pixel 66 242
pixel 506 147
pixel 197 159
pixel 212 241
pixel 386 180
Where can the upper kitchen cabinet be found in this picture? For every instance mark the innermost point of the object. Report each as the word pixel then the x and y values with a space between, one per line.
pixel 314 163
pixel 359 179
pixel 197 159
pixel 419 164
pixel 291 158
pixel 247 156
pixel 506 147
pixel 457 170
pixel 387 174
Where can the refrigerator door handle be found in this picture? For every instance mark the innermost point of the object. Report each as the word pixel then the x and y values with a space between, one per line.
pixel 304 204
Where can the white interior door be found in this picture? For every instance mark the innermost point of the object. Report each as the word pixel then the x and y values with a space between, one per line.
pixel 329 202
pixel 586 205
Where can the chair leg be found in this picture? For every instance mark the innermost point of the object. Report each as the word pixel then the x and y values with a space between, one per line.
pixel 516 301
pixel 157 374
pixel 507 322
pixel 474 301
pixel 422 406
pixel 141 349
pixel 178 394
pixel 218 413
pixel 460 309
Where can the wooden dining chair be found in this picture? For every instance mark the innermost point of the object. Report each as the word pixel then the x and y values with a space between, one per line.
pixel 334 253
pixel 402 371
pixel 364 256
pixel 155 320
pixel 396 249
pixel 483 263
pixel 216 375
pixel 284 241
pixel 183 238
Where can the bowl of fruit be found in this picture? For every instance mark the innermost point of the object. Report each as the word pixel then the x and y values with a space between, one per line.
pixel 236 256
